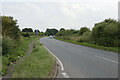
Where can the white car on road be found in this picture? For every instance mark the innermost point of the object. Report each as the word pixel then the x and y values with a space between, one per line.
pixel 51 37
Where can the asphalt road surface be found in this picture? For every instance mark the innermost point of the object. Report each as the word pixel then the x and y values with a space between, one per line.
pixel 83 62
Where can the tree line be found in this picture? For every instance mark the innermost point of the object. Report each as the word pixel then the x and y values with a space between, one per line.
pixel 105 33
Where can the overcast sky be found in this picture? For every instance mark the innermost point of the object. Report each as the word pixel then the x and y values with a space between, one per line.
pixel 59 13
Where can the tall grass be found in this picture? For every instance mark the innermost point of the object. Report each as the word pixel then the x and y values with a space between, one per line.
pixel 36 64
pixel 0 66
pixel 15 51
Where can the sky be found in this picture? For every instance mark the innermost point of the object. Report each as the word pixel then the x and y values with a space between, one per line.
pixel 68 14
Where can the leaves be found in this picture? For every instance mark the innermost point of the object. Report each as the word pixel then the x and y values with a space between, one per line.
pixel 10 28
pixel 51 32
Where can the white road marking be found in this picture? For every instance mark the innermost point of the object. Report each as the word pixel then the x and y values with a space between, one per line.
pixel 65 75
pixel 107 59
pixel 62 68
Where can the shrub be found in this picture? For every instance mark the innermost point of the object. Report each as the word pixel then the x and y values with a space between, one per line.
pixel 10 28
pixel 83 30
pixel 105 33
pixel 85 37
pixel 7 46
pixel 26 35
pixel 13 57
pixel 5 63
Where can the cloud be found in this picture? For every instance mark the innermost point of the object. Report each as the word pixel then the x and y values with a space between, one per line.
pixel 67 14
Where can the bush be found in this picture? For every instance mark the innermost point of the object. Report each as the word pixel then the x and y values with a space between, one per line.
pixel 10 28
pixel 67 32
pixel 5 63
pixel 105 33
pixel 13 57
pixel 85 37
pixel 83 30
pixel 26 35
pixel 7 46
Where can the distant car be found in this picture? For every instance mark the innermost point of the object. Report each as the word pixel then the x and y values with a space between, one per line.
pixel 51 37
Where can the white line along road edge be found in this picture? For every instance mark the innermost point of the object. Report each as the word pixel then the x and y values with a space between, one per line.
pixel 62 68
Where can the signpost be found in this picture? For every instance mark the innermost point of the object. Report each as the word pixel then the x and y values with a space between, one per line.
pixel 37 33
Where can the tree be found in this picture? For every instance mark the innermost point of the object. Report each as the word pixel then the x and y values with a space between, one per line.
pixel 83 30
pixel 85 37
pixel 67 32
pixel 10 34
pixel 62 29
pixel 106 33
pixel 27 30
pixel 51 32
pixel 35 31
pixel 10 28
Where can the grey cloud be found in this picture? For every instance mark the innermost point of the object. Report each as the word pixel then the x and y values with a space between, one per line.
pixel 42 15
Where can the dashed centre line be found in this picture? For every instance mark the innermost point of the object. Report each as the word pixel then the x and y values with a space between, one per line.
pixel 107 59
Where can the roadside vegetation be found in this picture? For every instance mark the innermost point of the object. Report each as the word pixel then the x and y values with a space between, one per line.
pixel 104 35
pixel 27 32
pixel 14 45
pixel 15 42
pixel 37 64
pixel 15 52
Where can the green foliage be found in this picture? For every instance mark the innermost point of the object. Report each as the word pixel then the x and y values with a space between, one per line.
pixel 41 34
pixel 27 30
pixel 62 29
pixel 114 49
pixel 5 63
pixel 12 52
pixel 26 34
pixel 10 28
pixel 83 30
pixel 38 64
pixel 105 33
pixel 29 34
pixel 13 44
pixel 66 32
pixel 51 32
pixel 85 37
pixel 7 46
pixel 10 36
pixel 35 31
pixel 60 33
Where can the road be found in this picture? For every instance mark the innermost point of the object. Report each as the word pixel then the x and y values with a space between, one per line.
pixel 83 62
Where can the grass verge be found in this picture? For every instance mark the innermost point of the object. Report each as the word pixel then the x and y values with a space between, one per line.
pixel 17 52
pixel 37 64
pixel 113 49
